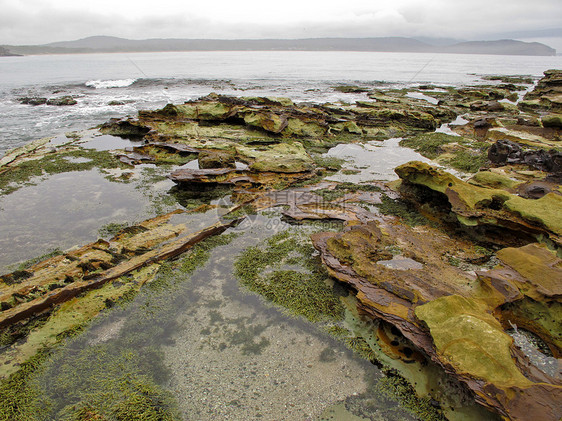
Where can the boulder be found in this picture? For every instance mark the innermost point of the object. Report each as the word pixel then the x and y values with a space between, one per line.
pixel 506 152
pixel 33 100
pixel 62 101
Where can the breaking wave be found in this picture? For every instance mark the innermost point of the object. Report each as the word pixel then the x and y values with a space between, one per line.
pixel 103 84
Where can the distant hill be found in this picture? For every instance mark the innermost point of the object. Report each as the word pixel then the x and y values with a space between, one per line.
pixel 504 47
pixel 4 52
pixel 388 44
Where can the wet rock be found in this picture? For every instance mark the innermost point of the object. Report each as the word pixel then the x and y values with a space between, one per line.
pixel 95 264
pixel 478 206
pixel 205 110
pixel 231 176
pixel 216 159
pixel 447 314
pixel 522 136
pixel 268 121
pixel 547 94
pixel 347 89
pixel 62 101
pixel 507 152
pixel 33 100
pixel 552 120
pixel 528 121
pixel 504 151
pixel 127 128
pixel 493 106
pixel 482 123
pixel 536 190
pixel 287 157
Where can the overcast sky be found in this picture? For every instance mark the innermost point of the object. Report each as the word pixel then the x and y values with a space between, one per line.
pixel 44 21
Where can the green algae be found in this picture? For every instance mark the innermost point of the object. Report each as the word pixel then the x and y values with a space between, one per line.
pixel 544 211
pixel 464 333
pixel 77 160
pixel 121 391
pixel 109 230
pixel 331 163
pixel 493 180
pixel 30 262
pixel 341 189
pixel 302 293
pixel 18 394
pixel 468 161
pixel 396 387
pixel 469 156
pixel 116 381
pixel 429 145
pixel 402 210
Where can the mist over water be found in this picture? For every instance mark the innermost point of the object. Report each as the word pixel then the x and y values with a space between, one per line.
pixel 116 85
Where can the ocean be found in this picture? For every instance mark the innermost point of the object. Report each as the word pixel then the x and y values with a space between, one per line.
pixel 120 84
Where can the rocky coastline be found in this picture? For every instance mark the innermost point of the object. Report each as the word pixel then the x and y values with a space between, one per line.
pixel 454 268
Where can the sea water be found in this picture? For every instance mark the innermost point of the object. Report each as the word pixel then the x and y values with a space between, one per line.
pixel 116 85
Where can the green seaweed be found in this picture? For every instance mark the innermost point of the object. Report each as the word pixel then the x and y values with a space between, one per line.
pixel 30 262
pixel 62 162
pixel 395 386
pixel 306 294
pixel 18 394
pixel 403 210
pixel 331 163
pixel 429 145
pixel 111 381
pixel 109 230
pixel 468 161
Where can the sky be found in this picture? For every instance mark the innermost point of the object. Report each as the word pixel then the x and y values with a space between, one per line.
pixel 43 21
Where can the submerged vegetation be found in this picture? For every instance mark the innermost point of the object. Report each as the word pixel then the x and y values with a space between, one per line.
pixel 457 152
pixel 304 291
pixel 75 160
pixel 78 380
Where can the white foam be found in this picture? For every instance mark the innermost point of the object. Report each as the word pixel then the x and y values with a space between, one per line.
pixel 103 84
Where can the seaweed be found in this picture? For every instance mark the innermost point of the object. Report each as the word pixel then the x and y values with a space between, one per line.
pixel 23 173
pixel 302 293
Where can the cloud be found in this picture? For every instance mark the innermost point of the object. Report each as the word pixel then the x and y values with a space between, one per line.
pixel 43 21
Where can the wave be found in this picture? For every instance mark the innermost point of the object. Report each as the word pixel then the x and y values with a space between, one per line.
pixel 104 84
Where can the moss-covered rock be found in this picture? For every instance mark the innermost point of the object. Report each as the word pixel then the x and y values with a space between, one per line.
pixel 552 120
pixel 266 120
pixel 472 340
pixel 286 157
pixel 206 110
pixel 216 159
pixel 474 205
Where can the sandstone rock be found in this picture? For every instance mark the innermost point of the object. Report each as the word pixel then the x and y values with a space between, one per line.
pixel 552 120
pixel 124 128
pixel 216 159
pixel 286 157
pixel 519 136
pixel 447 314
pixel 266 120
pixel 478 206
